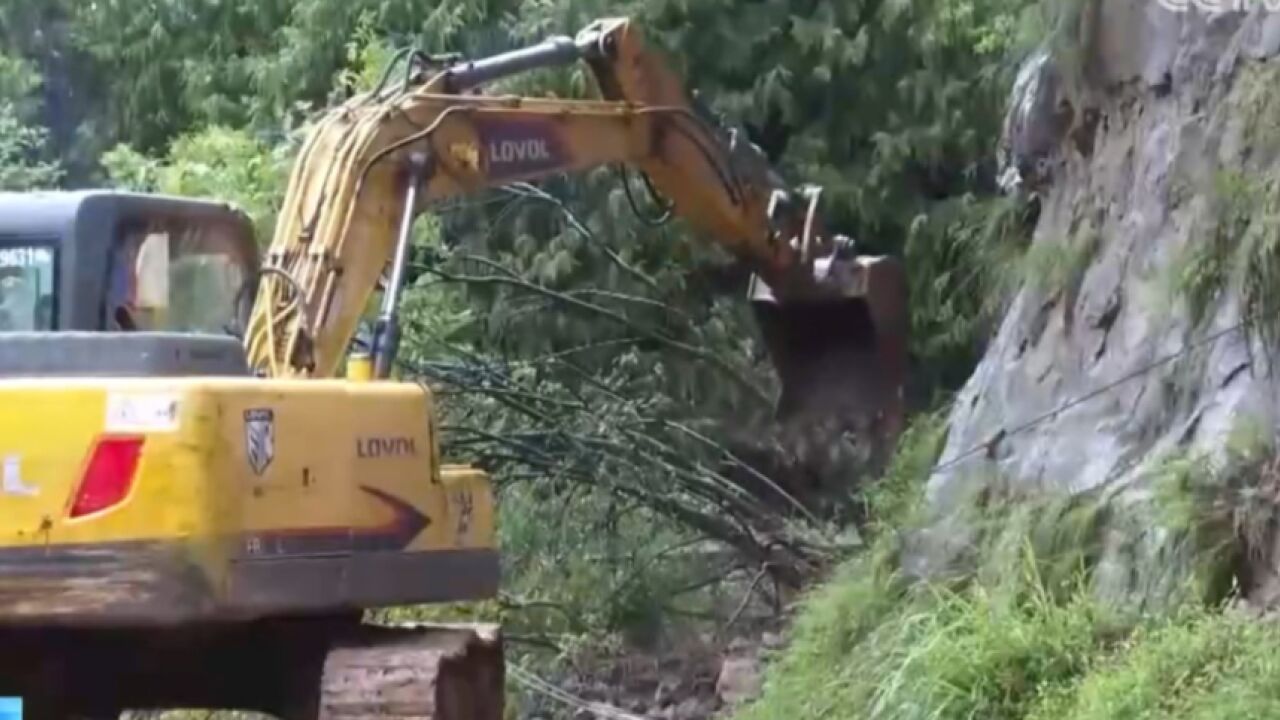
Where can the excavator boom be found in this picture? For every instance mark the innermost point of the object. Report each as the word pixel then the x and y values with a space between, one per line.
pixel 371 165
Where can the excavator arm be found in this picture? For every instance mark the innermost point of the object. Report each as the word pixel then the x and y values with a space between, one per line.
pixel 372 164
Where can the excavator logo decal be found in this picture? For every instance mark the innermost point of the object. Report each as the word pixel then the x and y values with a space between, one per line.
pixel 520 147
pixel 467 155
pixel 519 151
pixel 259 439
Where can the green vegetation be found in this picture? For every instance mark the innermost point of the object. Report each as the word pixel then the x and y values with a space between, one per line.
pixel 893 500
pixel 1053 266
pixel 963 258
pixel 868 645
pixel 1222 504
pixel 23 160
pixel 1199 664
pixel 1202 269
pixel 1027 628
pixel 216 162
pixel 866 649
pixel 1241 251
pixel 1235 244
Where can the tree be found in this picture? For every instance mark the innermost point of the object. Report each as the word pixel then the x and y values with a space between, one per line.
pixel 24 162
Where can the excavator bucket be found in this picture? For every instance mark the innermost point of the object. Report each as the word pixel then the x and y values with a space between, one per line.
pixel 841 358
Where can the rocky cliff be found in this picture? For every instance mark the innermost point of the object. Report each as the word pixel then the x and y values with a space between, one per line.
pixel 1142 329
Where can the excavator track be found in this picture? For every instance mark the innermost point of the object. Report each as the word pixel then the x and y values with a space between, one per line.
pixel 419 672
pixel 330 668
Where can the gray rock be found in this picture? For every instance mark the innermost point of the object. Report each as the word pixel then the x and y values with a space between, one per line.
pixel 1136 39
pixel 667 692
pixel 773 641
pixel 1033 127
pixel 691 709
pixel 740 680
pixel 1263 39
pixel 1146 191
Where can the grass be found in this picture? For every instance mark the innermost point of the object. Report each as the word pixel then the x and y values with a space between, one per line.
pixel 868 647
pixel 1223 506
pixel 1238 254
pixel 1025 632
pixel 1202 269
pixel 1053 266
pixel 1254 100
pixel 894 499
pixel 1237 246
pixel 1202 664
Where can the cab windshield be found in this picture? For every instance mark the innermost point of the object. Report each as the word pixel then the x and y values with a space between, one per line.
pixel 176 276
pixel 26 288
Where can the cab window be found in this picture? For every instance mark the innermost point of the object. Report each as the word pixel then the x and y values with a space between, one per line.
pixel 26 288
pixel 175 276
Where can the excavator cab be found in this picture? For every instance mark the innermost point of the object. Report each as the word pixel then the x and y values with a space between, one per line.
pixel 122 284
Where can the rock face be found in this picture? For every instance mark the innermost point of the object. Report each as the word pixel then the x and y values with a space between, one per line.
pixel 740 677
pixel 1173 143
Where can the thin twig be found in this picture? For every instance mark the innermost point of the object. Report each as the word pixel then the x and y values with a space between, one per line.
pixel 746 599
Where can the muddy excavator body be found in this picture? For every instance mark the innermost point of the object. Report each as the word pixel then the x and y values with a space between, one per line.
pixel 204 488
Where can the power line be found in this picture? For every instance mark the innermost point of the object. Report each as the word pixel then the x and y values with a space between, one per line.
pixel 1091 395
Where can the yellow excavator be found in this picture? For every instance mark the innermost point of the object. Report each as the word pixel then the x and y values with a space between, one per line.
pixel 192 517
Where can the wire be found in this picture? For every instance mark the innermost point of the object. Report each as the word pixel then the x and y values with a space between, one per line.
pixel 1091 395
pixel 400 55
pixel 666 207
pixel 728 176
pixel 423 134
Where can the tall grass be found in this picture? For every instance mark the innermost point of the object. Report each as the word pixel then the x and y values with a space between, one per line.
pixel 1024 631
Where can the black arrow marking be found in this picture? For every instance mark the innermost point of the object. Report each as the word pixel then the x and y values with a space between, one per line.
pixel 407 524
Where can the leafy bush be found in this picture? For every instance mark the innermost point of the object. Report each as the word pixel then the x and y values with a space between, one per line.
pixel 22 151
pixel 215 164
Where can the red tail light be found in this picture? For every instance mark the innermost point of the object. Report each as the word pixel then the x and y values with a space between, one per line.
pixel 108 476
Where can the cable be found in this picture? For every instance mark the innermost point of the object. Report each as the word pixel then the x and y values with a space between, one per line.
pixel 400 55
pixel 727 175
pixel 420 135
pixel 666 207
pixel 1092 394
